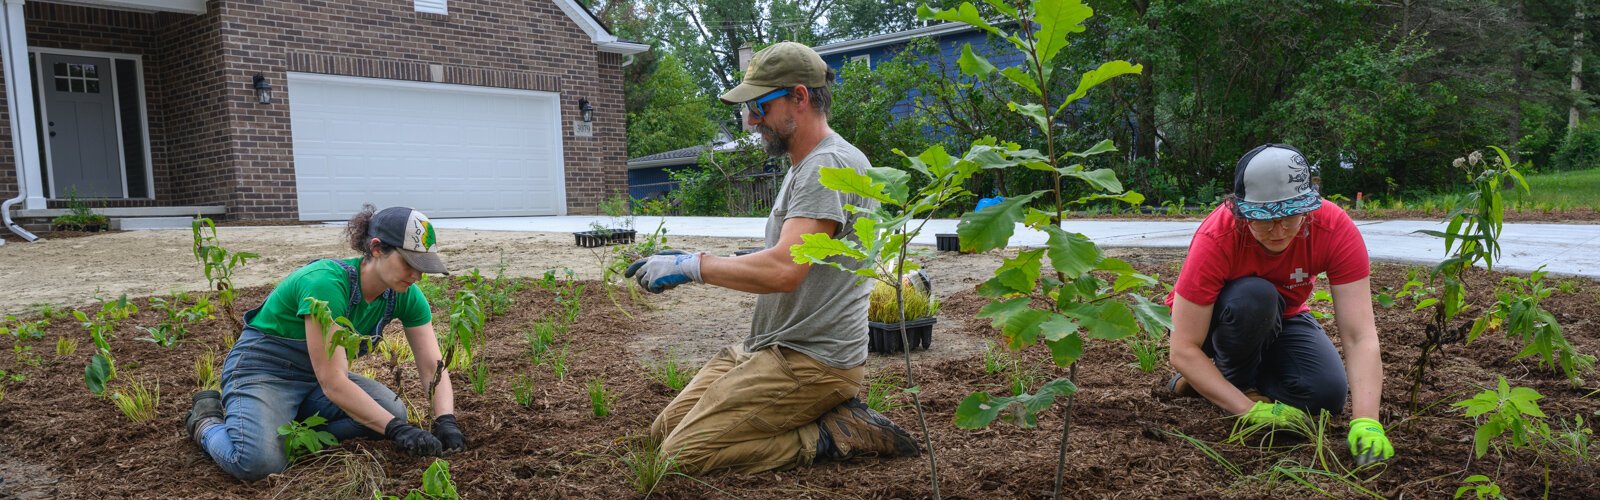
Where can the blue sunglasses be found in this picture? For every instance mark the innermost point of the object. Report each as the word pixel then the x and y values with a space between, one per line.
pixel 757 107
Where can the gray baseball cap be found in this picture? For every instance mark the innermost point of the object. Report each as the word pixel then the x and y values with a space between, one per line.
pixel 783 65
pixel 412 235
pixel 1273 181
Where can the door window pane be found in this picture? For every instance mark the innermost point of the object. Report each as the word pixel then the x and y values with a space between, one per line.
pixel 94 86
pixel 61 84
pixel 77 85
pixel 75 69
pixel 89 71
pixel 60 69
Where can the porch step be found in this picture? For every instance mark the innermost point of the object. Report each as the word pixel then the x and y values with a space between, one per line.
pixel 136 223
pixel 130 212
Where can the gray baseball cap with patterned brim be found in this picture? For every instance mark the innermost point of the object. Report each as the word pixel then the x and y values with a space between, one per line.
pixel 783 65
pixel 1273 181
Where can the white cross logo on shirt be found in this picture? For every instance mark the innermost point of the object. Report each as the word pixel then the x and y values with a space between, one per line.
pixel 1299 275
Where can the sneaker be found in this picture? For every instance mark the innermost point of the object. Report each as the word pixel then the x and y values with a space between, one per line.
pixel 854 430
pixel 207 408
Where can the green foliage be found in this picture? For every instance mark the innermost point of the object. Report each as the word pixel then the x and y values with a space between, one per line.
pixel 557 360
pixel 882 391
pixel 436 485
pixel 344 335
pixel 1481 487
pixel 1322 296
pixel 979 410
pixel 118 310
pixel 522 390
pixel 883 307
pixel 175 323
pixel 6 378
pixel 65 346
pixel 671 371
pixel 1581 148
pixel 866 100
pixel 478 375
pixel 219 263
pixel 206 375
pixel 600 399
pixel 1503 410
pixel 674 112
pixel 540 338
pixel 1472 235
pixel 140 401
pixel 646 466
pixel 434 291
pixel 301 438
pixel 79 216
pixel 496 294
pixel 24 330
pixel 1517 309
pixel 102 367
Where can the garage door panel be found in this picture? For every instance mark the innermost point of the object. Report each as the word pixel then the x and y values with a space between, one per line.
pixel 448 150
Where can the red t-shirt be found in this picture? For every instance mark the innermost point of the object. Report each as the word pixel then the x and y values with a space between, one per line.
pixel 1221 252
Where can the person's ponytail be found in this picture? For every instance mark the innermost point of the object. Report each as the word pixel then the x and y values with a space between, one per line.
pixel 357 231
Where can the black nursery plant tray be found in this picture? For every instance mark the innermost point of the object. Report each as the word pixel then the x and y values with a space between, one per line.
pixel 885 337
pixel 591 239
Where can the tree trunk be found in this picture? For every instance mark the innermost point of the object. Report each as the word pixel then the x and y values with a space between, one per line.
pixel 1519 77
pixel 1577 67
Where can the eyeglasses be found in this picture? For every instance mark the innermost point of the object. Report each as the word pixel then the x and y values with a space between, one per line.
pixel 757 107
pixel 1291 222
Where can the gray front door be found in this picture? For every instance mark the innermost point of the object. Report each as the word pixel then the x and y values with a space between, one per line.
pixel 81 126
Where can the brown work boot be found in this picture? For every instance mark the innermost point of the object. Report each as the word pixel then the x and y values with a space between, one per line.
pixel 854 430
pixel 207 410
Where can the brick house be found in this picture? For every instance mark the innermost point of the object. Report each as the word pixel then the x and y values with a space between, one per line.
pixel 304 109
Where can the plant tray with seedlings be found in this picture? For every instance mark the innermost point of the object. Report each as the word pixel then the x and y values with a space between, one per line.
pixel 600 238
pixel 948 242
pixel 885 337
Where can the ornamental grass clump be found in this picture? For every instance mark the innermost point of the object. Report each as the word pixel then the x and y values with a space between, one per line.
pixel 882 307
pixel 139 401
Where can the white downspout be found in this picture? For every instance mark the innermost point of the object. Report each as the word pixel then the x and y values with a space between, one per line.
pixel 19 98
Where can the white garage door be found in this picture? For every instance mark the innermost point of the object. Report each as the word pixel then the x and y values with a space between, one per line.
pixel 447 150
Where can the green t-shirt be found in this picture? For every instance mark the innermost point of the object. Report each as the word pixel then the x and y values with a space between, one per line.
pixel 283 313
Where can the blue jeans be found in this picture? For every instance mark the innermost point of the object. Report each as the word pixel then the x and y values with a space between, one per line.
pixel 267 381
pixel 1287 359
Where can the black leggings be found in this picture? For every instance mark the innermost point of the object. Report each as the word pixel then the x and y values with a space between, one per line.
pixel 1287 359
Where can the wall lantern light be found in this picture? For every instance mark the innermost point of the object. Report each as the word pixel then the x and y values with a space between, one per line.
pixel 263 89
pixel 586 109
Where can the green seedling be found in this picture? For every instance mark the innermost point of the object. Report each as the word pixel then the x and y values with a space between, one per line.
pixel 344 335
pixel 395 349
pixel 1481 487
pixel 599 398
pixel 118 310
pixel 1321 296
pixel 24 330
pixel 522 390
pixel 995 359
pixel 65 346
pixel 882 392
pixel 671 371
pixel 436 485
pixel 479 376
pixel 540 338
pixel 466 327
pixel 646 466
pixel 25 355
pixel 1517 309
pixel 48 312
pixel 1149 346
pixel 434 291
pixel 1506 409
pixel 219 263
pixel 301 438
pixel 1472 235
pixel 102 367
pixel 557 359
pixel 206 376
pixel 139 403
pixel 8 378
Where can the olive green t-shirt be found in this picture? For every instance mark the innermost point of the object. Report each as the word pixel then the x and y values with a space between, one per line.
pixel 283 313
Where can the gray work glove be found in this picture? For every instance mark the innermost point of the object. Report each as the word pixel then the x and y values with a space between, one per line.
pixel 665 270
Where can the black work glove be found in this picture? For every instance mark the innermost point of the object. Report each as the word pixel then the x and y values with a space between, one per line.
pixel 412 440
pixel 444 428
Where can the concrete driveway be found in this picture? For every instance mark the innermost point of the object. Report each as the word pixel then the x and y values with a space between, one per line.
pixel 1563 249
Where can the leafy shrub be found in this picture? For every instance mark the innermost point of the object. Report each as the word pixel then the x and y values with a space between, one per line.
pixel 302 439
pixel 79 216
pixel 1580 150
pixel 1517 309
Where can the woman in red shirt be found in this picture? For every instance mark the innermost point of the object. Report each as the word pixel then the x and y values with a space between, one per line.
pixel 1239 316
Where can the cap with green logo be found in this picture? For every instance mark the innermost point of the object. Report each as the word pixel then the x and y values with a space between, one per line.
pixel 412 235
pixel 783 65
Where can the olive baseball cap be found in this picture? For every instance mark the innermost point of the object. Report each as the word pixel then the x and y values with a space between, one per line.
pixel 782 65
pixel 412 235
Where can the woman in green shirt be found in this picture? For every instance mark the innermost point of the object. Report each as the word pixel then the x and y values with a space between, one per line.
pixel 279 370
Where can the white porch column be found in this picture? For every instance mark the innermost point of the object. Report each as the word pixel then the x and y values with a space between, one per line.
pixel 19 98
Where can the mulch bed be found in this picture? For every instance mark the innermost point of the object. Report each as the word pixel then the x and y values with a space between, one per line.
pixel 1123 440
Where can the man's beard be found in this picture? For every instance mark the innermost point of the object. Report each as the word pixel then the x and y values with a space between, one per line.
pixel 777 144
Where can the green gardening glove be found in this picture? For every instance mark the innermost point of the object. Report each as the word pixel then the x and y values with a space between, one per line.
pixel 1277 415
pixel 1368 443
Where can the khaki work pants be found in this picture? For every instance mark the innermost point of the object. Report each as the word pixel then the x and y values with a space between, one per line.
pixel 751 412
